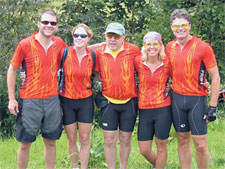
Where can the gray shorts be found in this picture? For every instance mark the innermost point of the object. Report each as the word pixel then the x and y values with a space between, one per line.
pixel 36 115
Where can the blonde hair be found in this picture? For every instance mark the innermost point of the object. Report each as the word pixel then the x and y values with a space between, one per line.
pixel 86 28
pixel 161 55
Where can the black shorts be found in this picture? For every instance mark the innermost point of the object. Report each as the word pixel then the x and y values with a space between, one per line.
pixel 77 110
pixel 188 113
pixel 37 115
pixel 123 115
pixel 154 122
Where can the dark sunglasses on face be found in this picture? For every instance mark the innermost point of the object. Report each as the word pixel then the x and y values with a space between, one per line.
pixel 76 35
pixel 110 35
pixel 47 22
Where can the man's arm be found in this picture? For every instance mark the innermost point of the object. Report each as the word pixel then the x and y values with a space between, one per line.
pixel 11 83
pixel 215 85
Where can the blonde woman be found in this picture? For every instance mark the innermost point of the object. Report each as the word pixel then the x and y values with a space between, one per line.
pixel 76 95
pixel 154 102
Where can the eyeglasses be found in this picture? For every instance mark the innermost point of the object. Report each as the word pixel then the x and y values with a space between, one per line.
pixel 183 26
pixel 47 22
pixel 76 35
pixel 155 44
pixel 110 35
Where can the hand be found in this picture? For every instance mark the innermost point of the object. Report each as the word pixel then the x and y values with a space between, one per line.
pixel 211 114
pixel 13 107
pixel 23 76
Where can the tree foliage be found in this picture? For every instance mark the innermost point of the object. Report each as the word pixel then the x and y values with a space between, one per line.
pixel 18 19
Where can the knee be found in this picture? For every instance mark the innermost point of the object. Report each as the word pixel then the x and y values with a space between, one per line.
pixel 110 141
pixel 183 141
pixel 144 152
pixel 125 140
pixel 161 148
pixel 24 146
pixel 71 140
pixel 50 143
pixel 202 148
pixel 84 139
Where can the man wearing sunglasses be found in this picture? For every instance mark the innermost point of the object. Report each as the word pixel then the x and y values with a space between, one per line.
pixel 190 58
pixel 115 62
pixel 38 108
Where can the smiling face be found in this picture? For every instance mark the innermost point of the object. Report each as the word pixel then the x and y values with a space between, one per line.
pixel 181 28
pixel 114 41
pixel 49 29
pixel 80 38
pixel 152 48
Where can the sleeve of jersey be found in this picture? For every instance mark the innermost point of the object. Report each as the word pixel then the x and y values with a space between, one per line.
pixel 18 56
pixel 137 51
pixel 136 63
pixel 97 61
pixel 209 57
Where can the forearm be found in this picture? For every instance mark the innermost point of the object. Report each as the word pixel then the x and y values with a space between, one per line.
pixel 215 87
pixel 11 82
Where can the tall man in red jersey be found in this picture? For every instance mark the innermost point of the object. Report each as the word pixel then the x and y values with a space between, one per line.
pixel 115 62
pixel 190 58
pixel 38 107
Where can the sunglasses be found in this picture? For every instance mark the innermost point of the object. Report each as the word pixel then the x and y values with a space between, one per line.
pixel 183 26
pixel 47 22
pixel 76 35
pixel 110 35
pixel 155 44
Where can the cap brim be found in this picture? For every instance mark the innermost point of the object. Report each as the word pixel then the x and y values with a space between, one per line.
pixel 114 31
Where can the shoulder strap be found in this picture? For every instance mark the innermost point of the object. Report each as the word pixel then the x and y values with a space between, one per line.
pixel 64 57
pixel 62 75
pixel 93 54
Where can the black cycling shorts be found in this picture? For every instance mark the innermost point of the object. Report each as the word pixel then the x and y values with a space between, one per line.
pixel 122 115
pixel 77 110
pixel 188 113
pixel 156 122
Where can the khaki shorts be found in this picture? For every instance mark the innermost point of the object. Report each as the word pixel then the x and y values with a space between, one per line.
pixel 37 115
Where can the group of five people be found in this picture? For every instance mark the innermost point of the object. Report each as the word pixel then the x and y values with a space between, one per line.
pixel 40 107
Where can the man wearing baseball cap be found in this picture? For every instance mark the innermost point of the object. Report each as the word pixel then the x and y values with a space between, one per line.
pixel 115 63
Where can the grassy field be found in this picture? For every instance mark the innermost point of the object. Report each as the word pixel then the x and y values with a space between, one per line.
pixel 216 142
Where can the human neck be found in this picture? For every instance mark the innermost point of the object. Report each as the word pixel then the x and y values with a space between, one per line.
pixel 45 41
pixel 153 60
pixel 80 51
pixel 182 42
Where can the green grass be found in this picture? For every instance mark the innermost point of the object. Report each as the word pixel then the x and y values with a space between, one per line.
pixel 216 142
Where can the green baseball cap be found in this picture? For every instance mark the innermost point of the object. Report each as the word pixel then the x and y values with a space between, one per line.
pixel 116 28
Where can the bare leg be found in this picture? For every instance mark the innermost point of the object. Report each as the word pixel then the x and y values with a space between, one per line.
pixel 50 153
pixel 125 146
pixel 161 153
pixel 23 155
pixel 202 152
pixel 184 150
pixel 145 148
pixel 110 138
pixel 84 133
pixel 71 133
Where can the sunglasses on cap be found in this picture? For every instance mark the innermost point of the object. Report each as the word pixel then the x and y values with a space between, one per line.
pixel 47 22
pixel 76 35
pixel 155 44
pixel 183 26
pixel 110 35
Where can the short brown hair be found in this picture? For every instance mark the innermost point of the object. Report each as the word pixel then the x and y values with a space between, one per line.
pixel 48 11
pixel 180 13
pixel 86 28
